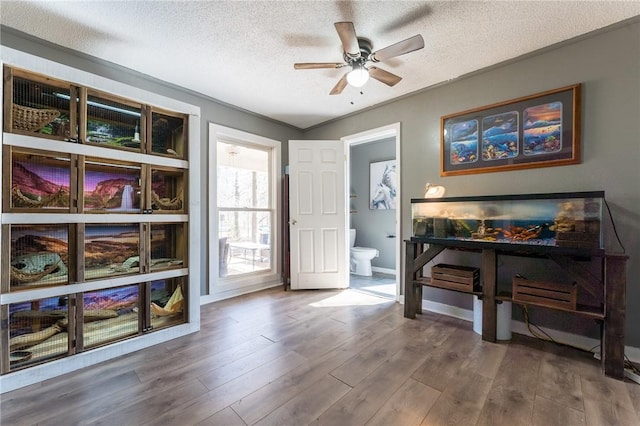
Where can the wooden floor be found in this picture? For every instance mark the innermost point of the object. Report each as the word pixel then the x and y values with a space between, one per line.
pixel 331 358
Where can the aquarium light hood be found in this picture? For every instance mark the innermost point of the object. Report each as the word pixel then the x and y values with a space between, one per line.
pixel 99 105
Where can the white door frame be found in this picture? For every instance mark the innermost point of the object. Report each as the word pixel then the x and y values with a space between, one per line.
pixel 388 131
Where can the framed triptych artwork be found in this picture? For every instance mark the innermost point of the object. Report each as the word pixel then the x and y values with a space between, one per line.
pixel 539 130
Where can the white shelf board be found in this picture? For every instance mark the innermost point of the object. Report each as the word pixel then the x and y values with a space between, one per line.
pixel 55 218
pixel 99 284
pixel 34 142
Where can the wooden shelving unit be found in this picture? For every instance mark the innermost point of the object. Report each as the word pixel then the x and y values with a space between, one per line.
pixel 609 287
pixel 95 233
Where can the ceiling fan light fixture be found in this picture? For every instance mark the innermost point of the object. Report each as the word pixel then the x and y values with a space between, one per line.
pixel 358 76
pixel 356 53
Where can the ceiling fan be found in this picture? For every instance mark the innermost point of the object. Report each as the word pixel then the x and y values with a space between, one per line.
pixel 357 55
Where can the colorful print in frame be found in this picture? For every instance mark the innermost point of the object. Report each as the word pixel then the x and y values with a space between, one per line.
pixel 500 136
pixel 464 142
pixel 539 130
pixel 543 129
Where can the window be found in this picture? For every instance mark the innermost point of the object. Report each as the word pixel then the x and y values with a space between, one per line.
pixel 244 219
pixel 245 208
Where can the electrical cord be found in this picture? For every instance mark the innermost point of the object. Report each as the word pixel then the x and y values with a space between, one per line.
pixel 613 225
pixel 546 336
pixel 630 365
pixel 543 335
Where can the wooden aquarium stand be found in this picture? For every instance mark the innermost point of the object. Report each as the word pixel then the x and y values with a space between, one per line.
pixel 608 288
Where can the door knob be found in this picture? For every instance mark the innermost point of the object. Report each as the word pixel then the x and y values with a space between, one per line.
pixel 293 222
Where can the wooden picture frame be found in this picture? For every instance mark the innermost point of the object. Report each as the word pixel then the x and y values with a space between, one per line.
pixel 539 130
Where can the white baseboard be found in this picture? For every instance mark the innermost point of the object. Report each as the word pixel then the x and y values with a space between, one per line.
pixel 519 327
pixel 235 292
pixel 448 310
pixel 383 270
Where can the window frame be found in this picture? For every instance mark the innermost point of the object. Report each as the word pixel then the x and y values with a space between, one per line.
pixel 217 288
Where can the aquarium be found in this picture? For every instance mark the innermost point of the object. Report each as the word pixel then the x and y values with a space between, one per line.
pixel 39 180
pixel 39 256
pixel 168 134
pixel 113 122
pixel 570 220
pixel 111 188
pixel 168 246
pixel 38 331
pixel 168 306
pixel 110 314
pixel 167 190
pixel 41 106
pixel 111 249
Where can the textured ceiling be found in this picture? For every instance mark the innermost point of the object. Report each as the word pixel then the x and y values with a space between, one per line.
pixel 242 52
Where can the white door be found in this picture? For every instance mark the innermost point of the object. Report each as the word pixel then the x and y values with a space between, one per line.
pixel 317 209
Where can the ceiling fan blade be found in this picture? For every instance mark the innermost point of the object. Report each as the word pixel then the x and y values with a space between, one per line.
pixel 384 76
pixel 339 87
pixel 317 65
pixel 400 48
pixel 348 38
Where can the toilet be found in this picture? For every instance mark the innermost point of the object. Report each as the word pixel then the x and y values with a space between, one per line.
pixel 360 257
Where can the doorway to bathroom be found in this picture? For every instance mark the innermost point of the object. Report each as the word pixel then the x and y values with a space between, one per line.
pixel 373 182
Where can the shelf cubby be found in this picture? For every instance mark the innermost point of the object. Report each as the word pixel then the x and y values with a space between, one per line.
pixel 38 331
pixel 168 134
pixel 167 190
pixel 110 249
pixel 111 121
pixel 38 181
pixel 109 315
pixel 38 256
pixel 167 246
pixel 111 187
pixel 39 105
pixel 168 304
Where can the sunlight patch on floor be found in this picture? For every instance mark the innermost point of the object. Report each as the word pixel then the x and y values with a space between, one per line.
pixel 350 298
pixel 387 290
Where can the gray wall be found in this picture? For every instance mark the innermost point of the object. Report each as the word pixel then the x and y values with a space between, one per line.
pixel 211 111
pixel 608 66
pixel 372 226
